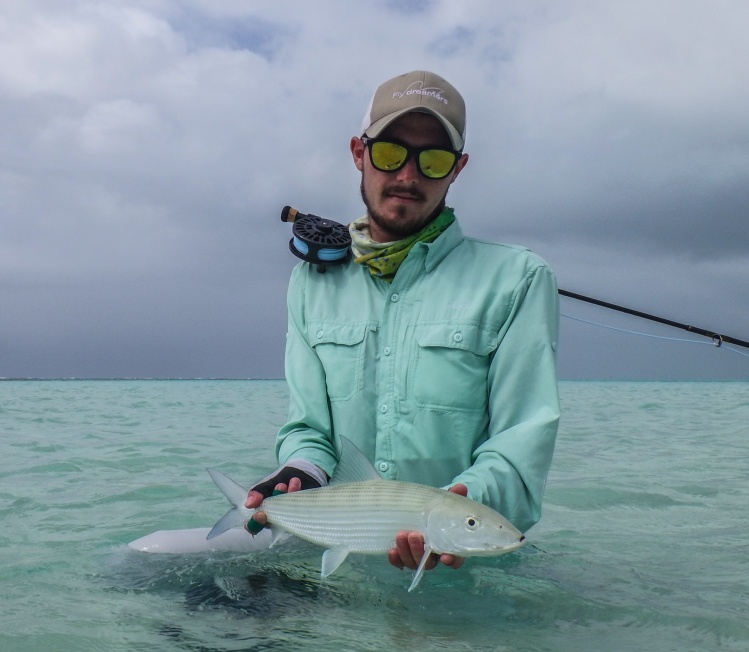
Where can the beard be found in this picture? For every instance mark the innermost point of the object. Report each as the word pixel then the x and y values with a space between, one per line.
pixel 403 225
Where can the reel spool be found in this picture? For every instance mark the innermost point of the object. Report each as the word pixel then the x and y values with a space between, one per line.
pixel 317 240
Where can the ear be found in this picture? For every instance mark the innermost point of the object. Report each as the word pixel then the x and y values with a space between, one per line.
pixel 462 161
pixel 357 152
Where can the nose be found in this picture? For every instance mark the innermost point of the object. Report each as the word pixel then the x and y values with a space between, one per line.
pixel 409 172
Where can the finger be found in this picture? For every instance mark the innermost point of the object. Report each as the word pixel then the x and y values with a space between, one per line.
pixel 403 547
pixel 459 489
pixel 295 484
pixel 256 523
pixel 280 488
pixel 416 543
pixel 394 558
pixel 254 498
pixel 453 561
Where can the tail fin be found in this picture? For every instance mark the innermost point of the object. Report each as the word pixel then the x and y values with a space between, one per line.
pixel 238 515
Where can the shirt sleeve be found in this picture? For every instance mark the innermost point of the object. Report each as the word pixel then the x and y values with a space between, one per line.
pixel 510 468
pixel 307 433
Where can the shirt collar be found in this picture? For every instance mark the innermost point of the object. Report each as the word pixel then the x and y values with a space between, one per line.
pixel 438 250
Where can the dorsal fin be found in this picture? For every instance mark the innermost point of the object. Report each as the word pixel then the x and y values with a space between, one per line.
pixel 353 465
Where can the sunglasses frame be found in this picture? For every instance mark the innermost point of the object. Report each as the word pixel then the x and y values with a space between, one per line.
pixel 411 152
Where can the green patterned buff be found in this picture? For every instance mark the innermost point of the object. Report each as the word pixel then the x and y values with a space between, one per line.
pixel 384 258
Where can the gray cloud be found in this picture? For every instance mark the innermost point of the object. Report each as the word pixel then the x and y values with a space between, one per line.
pixel 149 148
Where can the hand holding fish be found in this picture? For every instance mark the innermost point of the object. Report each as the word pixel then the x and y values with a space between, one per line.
pixel 409 547
pixel 254 498
pixel 308 475
pixel 259 519
pixel 295 475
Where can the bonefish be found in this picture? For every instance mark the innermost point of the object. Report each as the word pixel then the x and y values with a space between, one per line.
pixel 362 513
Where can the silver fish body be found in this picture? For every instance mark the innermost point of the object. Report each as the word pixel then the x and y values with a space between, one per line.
pixel 365 516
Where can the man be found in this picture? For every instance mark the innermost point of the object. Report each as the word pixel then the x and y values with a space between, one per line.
pixel 434 353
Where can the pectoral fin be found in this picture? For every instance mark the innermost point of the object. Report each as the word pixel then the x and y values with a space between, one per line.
pixel 420 569
pixel 332 559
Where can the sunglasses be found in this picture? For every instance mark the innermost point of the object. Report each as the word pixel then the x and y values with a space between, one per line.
pixel 389 156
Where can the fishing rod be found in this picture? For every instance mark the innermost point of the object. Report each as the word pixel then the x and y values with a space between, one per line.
pixel 717 338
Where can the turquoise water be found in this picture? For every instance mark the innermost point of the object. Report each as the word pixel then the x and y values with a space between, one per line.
pixel 644 542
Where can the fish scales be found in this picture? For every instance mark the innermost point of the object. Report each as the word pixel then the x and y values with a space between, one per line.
pixel 363 516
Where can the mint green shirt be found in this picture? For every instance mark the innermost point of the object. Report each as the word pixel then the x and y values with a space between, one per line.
pixel 447 375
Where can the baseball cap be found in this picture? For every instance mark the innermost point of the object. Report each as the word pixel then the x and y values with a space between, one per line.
pixel 420 91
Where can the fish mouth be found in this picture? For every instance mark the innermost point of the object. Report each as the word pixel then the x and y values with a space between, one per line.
pixel 518 544
pixel 494 551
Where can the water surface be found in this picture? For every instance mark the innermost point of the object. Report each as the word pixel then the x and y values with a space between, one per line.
pixel 644 542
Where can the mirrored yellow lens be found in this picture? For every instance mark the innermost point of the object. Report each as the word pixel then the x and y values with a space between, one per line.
pixel 388 156
pixel 436 163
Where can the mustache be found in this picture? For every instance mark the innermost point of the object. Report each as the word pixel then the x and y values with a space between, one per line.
pixel 404 191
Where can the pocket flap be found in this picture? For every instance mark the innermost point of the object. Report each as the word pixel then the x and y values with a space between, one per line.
pixel 468 337
pixel 346 334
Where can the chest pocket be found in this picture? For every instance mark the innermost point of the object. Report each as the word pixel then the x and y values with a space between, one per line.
pixel 451 364
pixel 340 348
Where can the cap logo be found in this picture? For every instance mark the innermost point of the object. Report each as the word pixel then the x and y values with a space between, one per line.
pixel 417 88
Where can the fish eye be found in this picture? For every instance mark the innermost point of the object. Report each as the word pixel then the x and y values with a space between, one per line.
pixel 472 522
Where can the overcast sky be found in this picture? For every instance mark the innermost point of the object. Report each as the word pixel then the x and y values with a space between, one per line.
pixel 148 147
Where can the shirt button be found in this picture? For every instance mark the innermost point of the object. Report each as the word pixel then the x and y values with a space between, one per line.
pixel 319 335
pixel 458 337
pixel 384 408
pixel 383 466
pixel 394 298
pixel 386 350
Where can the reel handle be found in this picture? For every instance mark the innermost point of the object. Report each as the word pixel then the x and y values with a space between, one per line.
pixel 289 214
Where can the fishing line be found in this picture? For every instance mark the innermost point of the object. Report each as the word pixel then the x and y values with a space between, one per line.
pixel 323 255
pixel 717 338
pixel 657 337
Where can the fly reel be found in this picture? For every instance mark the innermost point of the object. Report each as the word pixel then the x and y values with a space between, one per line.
pixel 317 240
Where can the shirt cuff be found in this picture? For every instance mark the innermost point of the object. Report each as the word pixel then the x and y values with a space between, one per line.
pixel 310 469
